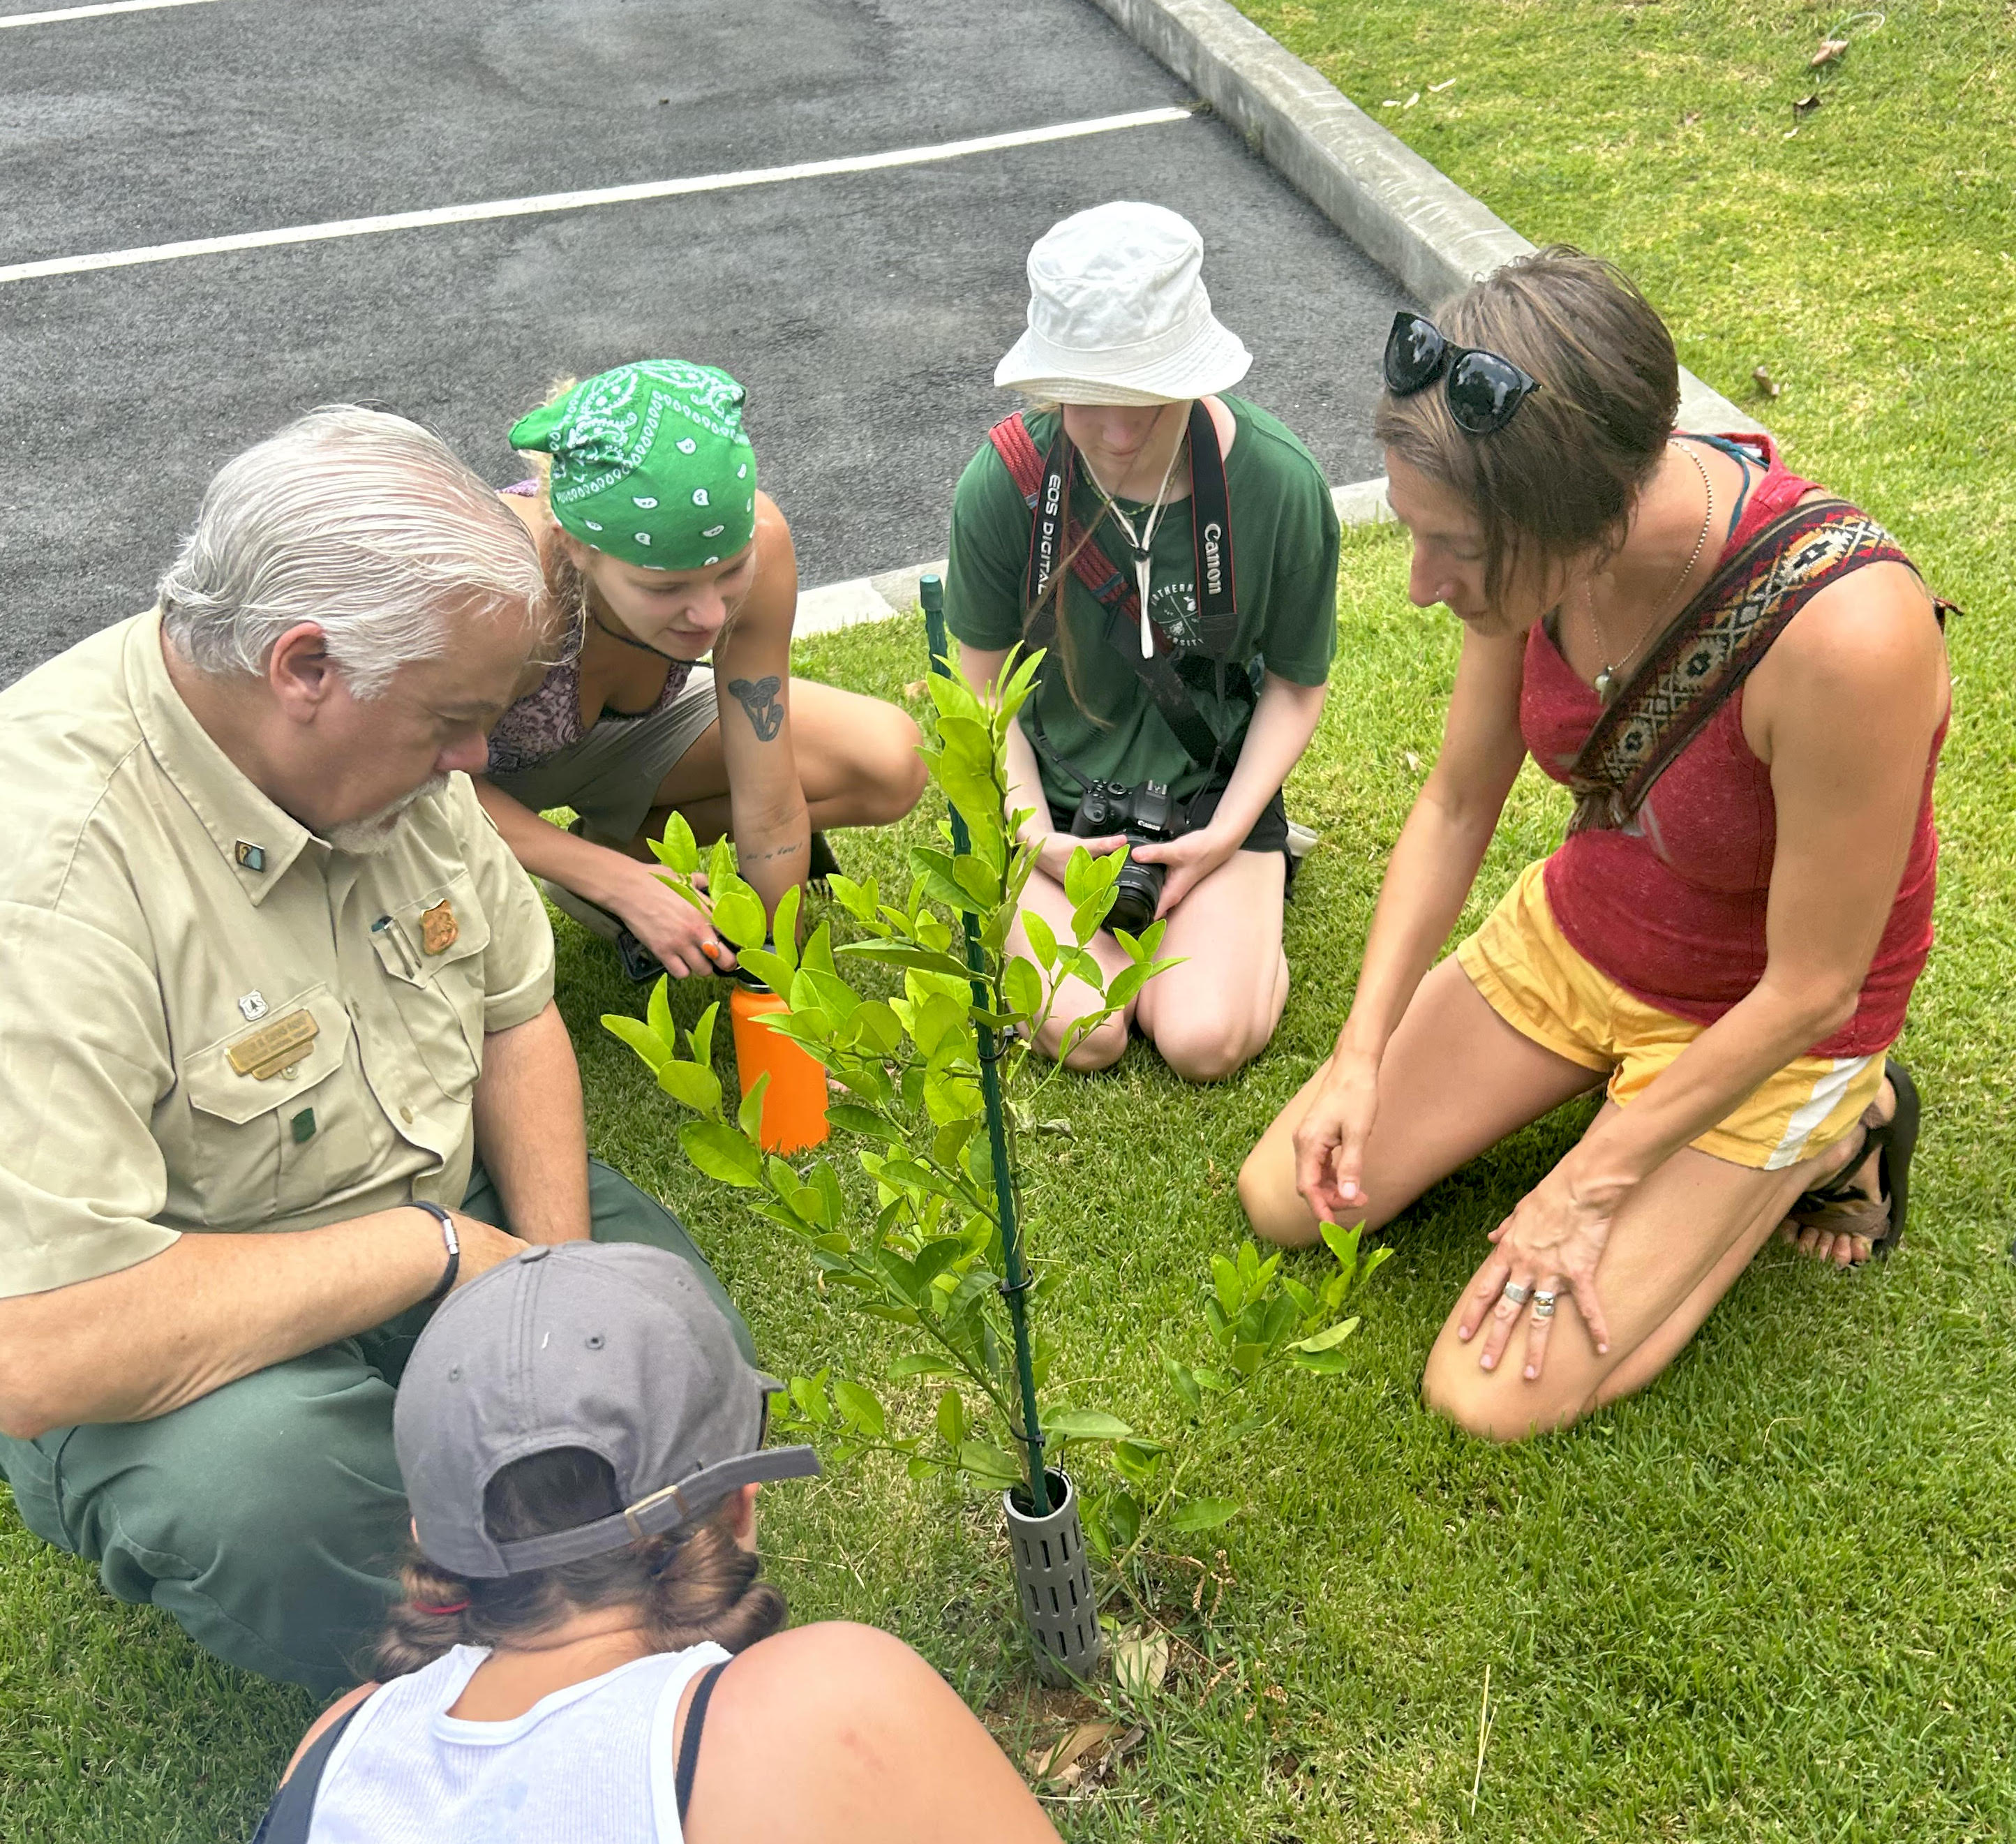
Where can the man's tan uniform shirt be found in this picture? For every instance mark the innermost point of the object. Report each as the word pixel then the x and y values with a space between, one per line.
pixel 209 1018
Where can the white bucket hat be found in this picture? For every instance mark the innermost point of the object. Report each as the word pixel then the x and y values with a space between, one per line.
pixel 1118 314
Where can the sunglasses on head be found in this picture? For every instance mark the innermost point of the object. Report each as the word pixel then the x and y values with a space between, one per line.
pixel 1484 389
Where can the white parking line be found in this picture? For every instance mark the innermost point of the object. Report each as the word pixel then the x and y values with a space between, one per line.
pixel 577 201
pixel 91 12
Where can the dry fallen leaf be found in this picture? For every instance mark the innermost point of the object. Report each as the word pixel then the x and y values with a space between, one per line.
pixel 1062 1761
pixel 1413 760
pixel 915 690
pixel 1391 102
pixel 1412 100
pixel 1691 116
pixel 1141 1661
pixel 1766 385
pixel 1806 105
pixel 1830 49
pixel 1435 89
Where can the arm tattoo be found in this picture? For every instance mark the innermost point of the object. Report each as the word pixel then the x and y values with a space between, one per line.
pixel 766 713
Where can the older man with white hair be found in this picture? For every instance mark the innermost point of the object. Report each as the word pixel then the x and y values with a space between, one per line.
pixel 269 968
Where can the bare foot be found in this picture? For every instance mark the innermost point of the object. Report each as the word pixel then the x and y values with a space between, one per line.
pixel 1843 1250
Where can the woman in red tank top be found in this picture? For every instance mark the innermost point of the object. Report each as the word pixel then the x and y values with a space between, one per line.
pixel 1744 683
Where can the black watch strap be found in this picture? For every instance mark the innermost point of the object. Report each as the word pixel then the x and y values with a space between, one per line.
pixel 450 1240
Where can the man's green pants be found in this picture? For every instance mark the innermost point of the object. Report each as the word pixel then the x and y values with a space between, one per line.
pixel 268 1516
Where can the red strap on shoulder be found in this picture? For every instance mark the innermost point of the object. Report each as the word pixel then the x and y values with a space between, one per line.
pixel 1017 448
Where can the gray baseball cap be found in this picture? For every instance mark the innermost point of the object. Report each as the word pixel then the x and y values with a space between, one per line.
pixel 613 1347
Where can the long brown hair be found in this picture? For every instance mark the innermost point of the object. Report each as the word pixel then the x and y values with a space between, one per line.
pixel 695 1584
pixel 1067 642
pixel 1563 477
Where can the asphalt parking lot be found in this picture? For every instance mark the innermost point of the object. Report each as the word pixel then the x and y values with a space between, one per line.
pixel 864 310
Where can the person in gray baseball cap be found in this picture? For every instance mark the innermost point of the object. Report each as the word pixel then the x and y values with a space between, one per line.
pixel 582 1441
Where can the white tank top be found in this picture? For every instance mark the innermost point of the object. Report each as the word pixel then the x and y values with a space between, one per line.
pixel 591 1764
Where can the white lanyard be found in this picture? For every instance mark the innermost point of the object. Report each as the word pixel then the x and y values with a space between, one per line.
pixel 1143 540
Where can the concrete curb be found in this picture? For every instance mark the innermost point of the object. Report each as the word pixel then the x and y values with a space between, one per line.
pixel 1409 217
pixel 877 598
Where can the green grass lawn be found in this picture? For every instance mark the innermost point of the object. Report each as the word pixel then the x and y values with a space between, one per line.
pixel 1772 1598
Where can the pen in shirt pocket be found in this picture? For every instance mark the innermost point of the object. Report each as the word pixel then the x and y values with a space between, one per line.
pixel 397 936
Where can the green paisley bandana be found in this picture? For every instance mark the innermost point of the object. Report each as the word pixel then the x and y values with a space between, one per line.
pixel 650 463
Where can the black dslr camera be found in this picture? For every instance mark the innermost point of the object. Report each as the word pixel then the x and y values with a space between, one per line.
pixel 1147 816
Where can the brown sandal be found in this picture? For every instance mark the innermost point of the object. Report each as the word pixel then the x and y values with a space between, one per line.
pixel 1837 1208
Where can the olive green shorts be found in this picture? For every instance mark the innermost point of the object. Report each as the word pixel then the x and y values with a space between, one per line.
pixel 612 775
pixel 269 1517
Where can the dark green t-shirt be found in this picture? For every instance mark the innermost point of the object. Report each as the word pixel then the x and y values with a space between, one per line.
pixel 1284 542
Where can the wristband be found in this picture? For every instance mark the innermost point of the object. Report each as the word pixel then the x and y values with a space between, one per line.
pixel 449 1240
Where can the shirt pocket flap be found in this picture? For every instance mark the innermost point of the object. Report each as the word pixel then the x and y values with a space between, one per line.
pixel 425 933
pixel 237 1092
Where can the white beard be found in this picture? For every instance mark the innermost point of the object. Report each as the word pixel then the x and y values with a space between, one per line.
pixel 374 832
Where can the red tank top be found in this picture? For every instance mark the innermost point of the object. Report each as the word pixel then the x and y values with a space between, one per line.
pixel 1672 907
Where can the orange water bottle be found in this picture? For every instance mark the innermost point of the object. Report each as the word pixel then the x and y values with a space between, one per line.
pixel 794 1104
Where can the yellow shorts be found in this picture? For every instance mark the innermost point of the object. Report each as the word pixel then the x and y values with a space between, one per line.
pixel 1534 980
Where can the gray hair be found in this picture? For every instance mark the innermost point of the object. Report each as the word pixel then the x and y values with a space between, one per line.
pixel 362 523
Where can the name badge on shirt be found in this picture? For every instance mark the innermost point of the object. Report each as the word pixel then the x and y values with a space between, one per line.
pixel 277 1047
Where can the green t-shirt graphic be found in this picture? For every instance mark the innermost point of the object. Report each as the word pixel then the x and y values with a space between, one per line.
pixel 1284 545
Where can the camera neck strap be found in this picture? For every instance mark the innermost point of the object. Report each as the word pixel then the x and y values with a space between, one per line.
pixel 1045 482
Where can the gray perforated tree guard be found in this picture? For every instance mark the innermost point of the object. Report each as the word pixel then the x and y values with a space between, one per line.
pixel 1053 1584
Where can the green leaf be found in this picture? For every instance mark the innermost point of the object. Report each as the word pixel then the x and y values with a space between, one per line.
pixel 658 1013
pixel 1087 1424
pixel 902 954
pixel 721 1153
pixel 988 1462
pixel 749 1117
pixel 923 1363
pixel 1330 1337
pixel 1123 1518
pixel 1042 940
pixel 856 1120
pixel 1089 916
pixel 857 899
pixel 1343 1244
pixel 639 1035
pixel 1080 878
pixel 1183 1381
pixel 773 969
pixel 1325 1363
pixel 738 913
pixel 784 927
pixel 938 1255
pixel 701 1036
pixel 699 1089
pixel 874 1027
pixel 1203 1513
pixel 1022 987
pixel 859 1406
pixel 951 1418
pixel 677 851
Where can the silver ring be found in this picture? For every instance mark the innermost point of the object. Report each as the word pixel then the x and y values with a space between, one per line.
pixel 1517 1295
pixel 1543 1304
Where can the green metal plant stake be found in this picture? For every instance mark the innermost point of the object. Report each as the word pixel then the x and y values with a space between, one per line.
pixel 1015 1280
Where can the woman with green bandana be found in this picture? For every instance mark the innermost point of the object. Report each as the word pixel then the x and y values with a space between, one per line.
pixel 660 550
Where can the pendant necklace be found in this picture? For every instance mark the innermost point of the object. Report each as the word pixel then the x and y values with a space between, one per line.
pixel 1606 680
pixel 1141 542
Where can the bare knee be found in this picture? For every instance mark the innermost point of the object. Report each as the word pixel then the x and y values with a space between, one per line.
pixel 1499 1405
pixel 889 773
pixel 1267 1194
pixel 1207 1049
pixel 1100 1048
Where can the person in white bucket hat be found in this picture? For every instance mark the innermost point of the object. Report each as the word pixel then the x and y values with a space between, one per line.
pixel 1173 549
